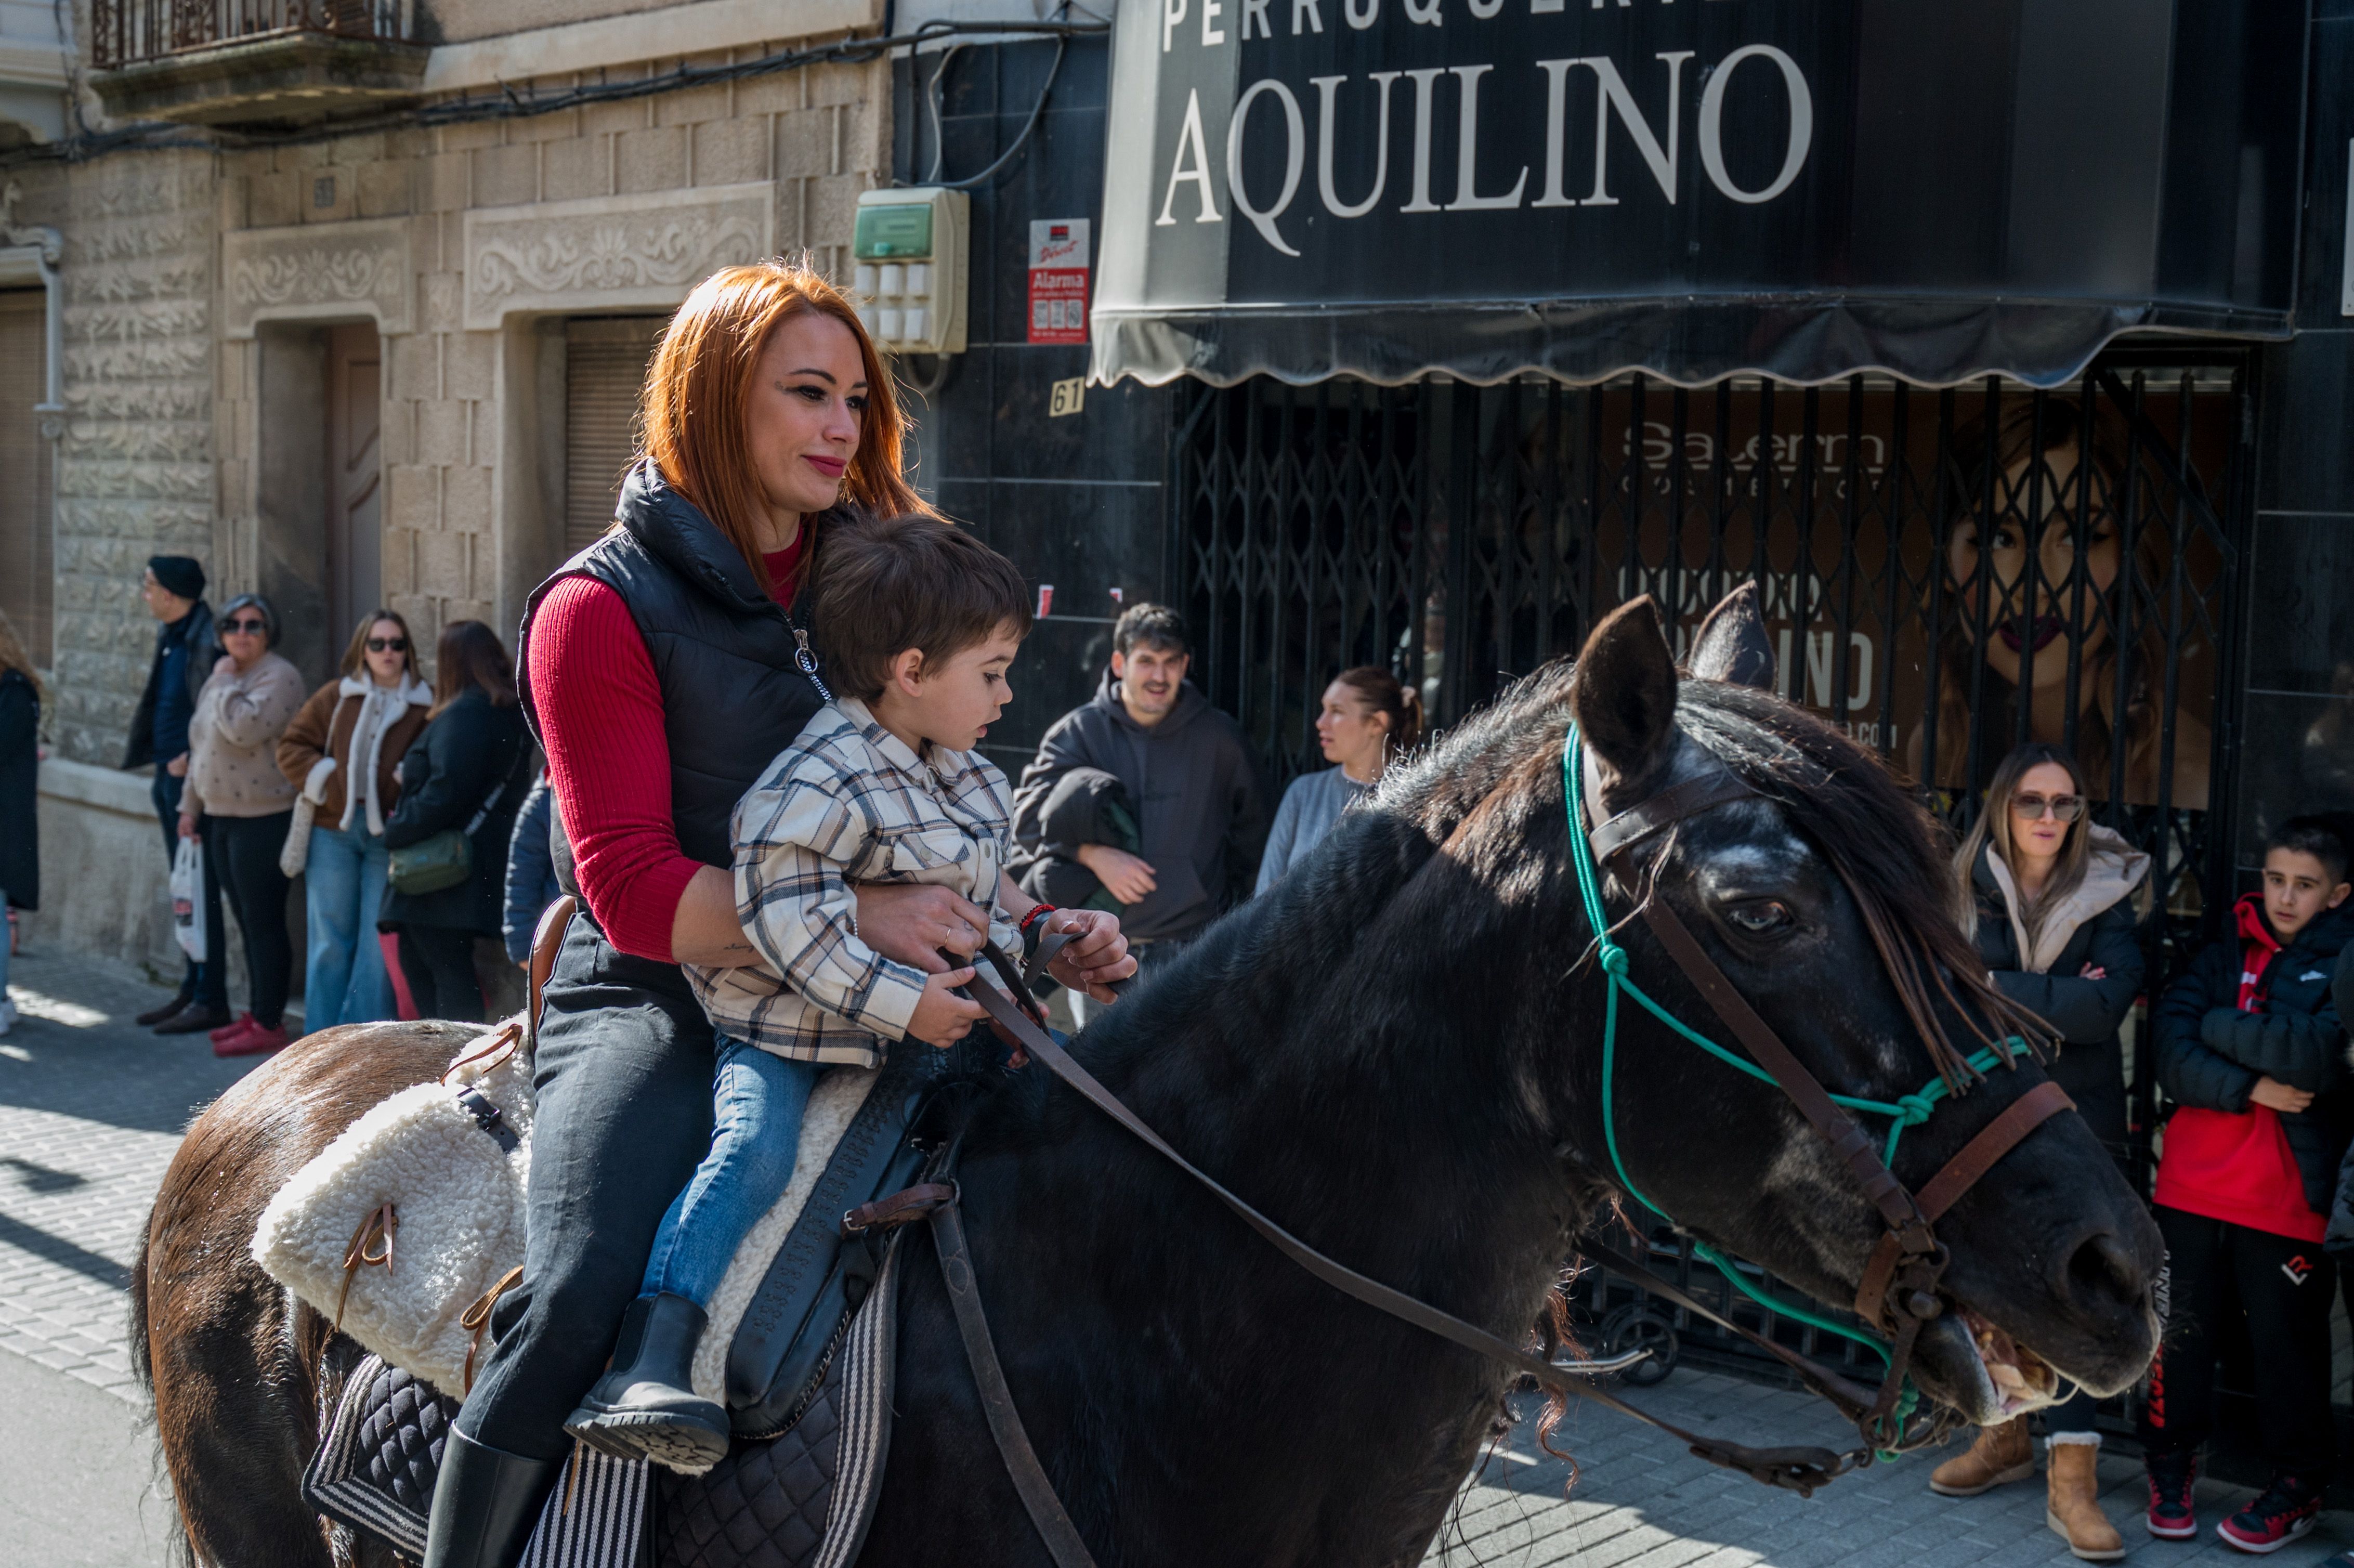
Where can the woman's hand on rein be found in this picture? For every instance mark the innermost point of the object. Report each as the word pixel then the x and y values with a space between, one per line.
pixel 1097 953
pixel 910 923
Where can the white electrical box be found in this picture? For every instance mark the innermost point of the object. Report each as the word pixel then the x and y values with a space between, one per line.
pixel 910 246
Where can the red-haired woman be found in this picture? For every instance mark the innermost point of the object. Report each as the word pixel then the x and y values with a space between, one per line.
pixel 663 668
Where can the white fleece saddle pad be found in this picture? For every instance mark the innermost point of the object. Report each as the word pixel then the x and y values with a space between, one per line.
pixel 457 1198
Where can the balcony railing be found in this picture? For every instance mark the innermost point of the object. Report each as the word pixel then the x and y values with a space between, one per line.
pixel 132 32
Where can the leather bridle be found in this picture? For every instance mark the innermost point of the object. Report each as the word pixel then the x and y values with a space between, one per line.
pixel 1899 1291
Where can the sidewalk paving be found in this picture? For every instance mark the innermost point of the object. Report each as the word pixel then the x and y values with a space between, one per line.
pixel 1641 1500
pixel 93 1107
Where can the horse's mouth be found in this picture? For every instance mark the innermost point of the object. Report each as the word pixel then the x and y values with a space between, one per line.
pixel 1966 1361
pixel 2021 1379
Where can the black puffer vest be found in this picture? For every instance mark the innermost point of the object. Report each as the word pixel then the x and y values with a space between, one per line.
pixel 739 680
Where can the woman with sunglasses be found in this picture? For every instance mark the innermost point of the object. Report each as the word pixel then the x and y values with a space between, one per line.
pixel 344 752
pixel 2055 904
pixel 239 804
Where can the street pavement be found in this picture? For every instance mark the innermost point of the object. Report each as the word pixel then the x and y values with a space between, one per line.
pixel 93 1107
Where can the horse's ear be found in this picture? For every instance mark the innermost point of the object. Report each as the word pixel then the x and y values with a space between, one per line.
pixel 1731 645
pixel 1623 693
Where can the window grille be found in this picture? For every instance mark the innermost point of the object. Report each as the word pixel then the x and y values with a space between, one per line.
pixel 1464 535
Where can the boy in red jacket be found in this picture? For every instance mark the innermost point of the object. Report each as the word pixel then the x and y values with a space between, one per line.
pixel 2250 1048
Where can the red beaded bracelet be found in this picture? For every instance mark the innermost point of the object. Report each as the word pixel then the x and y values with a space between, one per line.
pixel 1024 930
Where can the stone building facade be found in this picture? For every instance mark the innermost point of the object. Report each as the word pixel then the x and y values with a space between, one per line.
pixel 364 368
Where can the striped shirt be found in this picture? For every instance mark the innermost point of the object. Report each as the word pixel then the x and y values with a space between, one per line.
pixel 848 803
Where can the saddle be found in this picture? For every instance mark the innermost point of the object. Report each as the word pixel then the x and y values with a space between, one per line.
pixel 806 1372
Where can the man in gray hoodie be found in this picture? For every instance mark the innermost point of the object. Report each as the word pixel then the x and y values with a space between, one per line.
pixel 1143 800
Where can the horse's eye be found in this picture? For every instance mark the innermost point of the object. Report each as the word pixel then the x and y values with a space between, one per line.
pixel 1759 915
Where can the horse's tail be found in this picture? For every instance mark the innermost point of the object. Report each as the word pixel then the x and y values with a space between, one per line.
pixel 178 1551
pixel 143 1361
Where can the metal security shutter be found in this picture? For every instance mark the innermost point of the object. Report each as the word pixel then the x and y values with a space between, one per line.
pixel 604 367
pixel 25 574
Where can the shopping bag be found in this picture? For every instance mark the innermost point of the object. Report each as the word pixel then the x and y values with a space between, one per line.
pixel 188 899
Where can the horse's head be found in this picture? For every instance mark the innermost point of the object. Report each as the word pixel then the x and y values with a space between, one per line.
pixel 1825 896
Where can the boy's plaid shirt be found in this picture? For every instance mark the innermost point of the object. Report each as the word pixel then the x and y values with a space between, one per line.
pixel 846 802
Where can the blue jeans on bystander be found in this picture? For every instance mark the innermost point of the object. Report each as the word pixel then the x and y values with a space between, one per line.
pixel 342 978
pixel 758 1100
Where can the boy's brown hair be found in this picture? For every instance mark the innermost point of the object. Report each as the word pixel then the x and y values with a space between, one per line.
pixel 889 585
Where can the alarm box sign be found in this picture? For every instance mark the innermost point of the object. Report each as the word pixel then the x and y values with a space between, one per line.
pixel 1058 280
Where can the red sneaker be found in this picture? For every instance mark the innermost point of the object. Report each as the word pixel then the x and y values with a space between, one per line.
pixel 255 1042
pixel 2289 1508
pixel 232 1030
pixel 2171 1477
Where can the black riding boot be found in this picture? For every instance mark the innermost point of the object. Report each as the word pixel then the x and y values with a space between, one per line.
pixel 646 1406
pixel 485 1502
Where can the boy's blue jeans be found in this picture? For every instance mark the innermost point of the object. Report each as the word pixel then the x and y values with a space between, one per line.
pixel 757 1099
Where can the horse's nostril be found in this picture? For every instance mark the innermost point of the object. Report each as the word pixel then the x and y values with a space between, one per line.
pixel 2103 1273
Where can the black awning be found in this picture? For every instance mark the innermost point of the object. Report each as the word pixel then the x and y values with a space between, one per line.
pixel 1578 188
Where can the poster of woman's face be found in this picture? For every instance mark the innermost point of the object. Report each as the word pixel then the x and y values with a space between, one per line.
pixel 2033 551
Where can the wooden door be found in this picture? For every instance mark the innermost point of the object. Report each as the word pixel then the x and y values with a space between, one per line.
pixel 26 570
pixel 354 478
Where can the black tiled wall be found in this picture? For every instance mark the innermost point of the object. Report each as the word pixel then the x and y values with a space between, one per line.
pixel 1076 500
pixel 2296 749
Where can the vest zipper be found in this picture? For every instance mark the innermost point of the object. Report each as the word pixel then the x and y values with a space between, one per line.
pixel 805 660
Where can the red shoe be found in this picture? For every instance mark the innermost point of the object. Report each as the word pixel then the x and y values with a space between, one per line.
pixel 2171 1477
pixel 230 1031
pixel 2289 1508
pixel 256 1041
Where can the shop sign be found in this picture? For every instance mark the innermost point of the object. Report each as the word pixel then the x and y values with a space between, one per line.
pixel 1695 187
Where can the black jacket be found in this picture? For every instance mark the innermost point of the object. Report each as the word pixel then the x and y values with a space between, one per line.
pixel 531 870
pixel 727 654
pixel 2340 1240
pixel 1202 821
pixel 2085 1012
pixel 2210 1055
pixel 20 836
pixel 449 770
pixel 204 652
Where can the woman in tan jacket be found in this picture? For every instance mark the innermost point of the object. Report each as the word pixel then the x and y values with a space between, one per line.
pixel 342 752
pixel 239 804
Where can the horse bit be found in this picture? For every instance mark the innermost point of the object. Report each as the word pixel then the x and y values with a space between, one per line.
pixel 1899 1288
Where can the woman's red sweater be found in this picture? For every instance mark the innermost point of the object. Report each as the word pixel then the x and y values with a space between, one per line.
pixel 600 718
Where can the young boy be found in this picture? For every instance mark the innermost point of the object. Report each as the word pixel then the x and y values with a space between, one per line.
pixel 2250 1047
pixel 919 622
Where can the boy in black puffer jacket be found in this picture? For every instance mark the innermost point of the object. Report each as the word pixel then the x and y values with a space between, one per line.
pixel 2250 1048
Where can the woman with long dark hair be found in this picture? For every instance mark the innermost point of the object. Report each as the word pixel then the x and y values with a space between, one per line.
pixel 2041 590
pixel 466 772
pixel 342 752
pixel 663 668
pixel 1368 720
pixel 2055 904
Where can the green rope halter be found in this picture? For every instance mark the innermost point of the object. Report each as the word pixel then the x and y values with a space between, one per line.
pixel 1905 1110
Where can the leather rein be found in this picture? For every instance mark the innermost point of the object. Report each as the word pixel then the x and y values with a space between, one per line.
pixel 1898 1290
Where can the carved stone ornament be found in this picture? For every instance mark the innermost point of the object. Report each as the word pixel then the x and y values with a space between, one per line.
pixel 610 252
pixel 316 271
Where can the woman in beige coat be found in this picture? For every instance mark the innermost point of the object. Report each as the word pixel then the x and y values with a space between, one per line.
pixel 239 804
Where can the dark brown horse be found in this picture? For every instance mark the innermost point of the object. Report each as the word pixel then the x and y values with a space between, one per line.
pixel 1395 1054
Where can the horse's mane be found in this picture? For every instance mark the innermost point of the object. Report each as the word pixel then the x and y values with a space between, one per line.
pixel 1885 844
pixel 1504 762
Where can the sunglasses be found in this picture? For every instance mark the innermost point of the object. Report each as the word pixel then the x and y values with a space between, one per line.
pixel 2067 808
pixel 256 627
pixel 387 644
